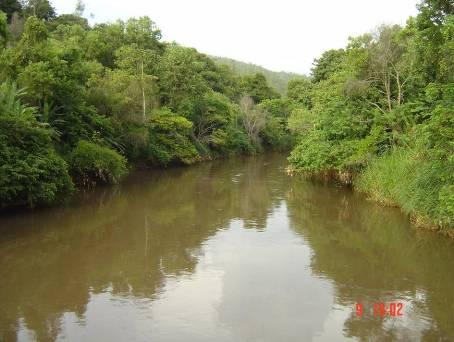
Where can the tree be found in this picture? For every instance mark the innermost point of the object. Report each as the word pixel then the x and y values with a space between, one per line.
pixel 142 32
pixel 180 78
pixel 325 66
pixel 68 19
pixel 212 113
pixel 80 8
pixel 299 90
pixel 253 118
pixel 139 62
pixel 385 55
pixel 41 9
pixel 31 172
pixel 257 88
pixel 276 133
pixel 10 7
pixel 438 10
pixel 16 27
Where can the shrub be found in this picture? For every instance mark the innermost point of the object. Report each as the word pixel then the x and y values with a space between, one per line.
pixel 91 164
pixel 169 139
pixel 31 172
pixel 312 154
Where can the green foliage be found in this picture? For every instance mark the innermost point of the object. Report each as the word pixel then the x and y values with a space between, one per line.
pixel 10 103
pixel 277 80
pixel 413 180
pixel 168 139
pixel 212 113
pixel 115 89
pixel 68 20
pixel 3 29
pixel 257 88
pixel 41 9
pixel 181 78
pixel 327 65
pixel 383 109
pixel 299 90
pixel 10 7
pixel 312 154
pixel 301 121
pixel 277 133
pixel 91 164
pixel 237 141
pixel 31 173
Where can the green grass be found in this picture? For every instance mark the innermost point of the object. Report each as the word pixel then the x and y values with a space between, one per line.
pixel 414 181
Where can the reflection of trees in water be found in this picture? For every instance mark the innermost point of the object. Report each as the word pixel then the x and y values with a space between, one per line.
pixel 123 240
pixel 126 240
pixel 372 258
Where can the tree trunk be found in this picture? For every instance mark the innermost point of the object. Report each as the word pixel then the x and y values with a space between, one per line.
pixel 387 81
pixel 143 95
pixel 399 89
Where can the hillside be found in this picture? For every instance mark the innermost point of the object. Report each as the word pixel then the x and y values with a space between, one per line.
pixel 278 80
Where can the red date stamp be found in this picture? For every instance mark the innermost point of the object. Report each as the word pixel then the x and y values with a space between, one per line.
pixel 382 309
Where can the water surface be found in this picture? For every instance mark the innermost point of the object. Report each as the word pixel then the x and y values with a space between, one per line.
pixel 232 250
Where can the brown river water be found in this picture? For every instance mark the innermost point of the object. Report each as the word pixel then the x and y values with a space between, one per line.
pixel 232 250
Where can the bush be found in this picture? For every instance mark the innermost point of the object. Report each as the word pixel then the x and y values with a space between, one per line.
pixel 312 154
pixel 31 172
pixel 91 164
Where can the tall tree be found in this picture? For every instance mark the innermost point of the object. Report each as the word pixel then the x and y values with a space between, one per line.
pixel 254 119
pixel 139 62
pixel 385 67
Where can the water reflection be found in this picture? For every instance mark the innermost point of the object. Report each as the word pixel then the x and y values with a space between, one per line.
pixel 374 256
pixel 227 251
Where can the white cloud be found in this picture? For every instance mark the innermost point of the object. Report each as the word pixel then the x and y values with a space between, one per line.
pixel 279 35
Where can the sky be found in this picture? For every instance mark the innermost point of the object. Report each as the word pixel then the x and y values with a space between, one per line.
pixel 284 35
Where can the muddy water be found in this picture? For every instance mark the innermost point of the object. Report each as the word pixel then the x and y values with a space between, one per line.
pixel 232 250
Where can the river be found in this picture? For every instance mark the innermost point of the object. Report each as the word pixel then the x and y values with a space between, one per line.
pixel 232 250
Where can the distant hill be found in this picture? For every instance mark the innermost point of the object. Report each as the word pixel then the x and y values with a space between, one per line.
pixel 278 80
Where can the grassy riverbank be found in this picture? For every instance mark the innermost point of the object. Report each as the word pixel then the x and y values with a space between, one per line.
pixel 380 116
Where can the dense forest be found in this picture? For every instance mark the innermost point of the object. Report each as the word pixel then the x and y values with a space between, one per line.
pixel 81 105
pixel 276 79
pixel 380 114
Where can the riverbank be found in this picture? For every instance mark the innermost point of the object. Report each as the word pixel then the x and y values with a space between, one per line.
pixel 379 116
pixel 420 188
pixel 419 184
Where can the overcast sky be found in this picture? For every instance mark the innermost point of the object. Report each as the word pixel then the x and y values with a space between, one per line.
pixel 279 35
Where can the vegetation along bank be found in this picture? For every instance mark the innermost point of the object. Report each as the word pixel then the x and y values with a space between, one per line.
pixel 80 105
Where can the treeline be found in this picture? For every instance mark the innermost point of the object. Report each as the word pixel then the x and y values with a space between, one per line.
pixel 79 104
pixel 380 114
pixel 276 79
